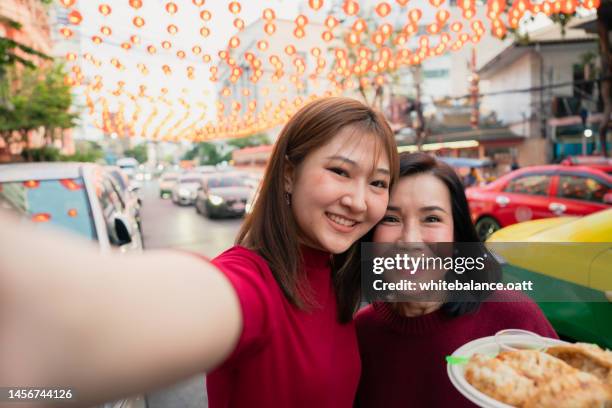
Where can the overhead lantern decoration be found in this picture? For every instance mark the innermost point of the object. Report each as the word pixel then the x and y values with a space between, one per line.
pixel 442 16
pixel 234 7
pixel 196 50
pixel 327 36
pixel 67 3
pixel 239 24
pixel 172 29
pixel 171 8
pixel 350 7
pixel 205 15
pixel 204 31
pixel 262 45
pixel 301 20
pixel 234 42
pixel 106 30
pixel 591 4
pixel 181 54
pixel 104 9
pixel 138 21
pixel 151 49
pixel 135 39
pixel 270 28
pixel 96 39
pixel 290 50
pixel 315 4
pixel 415 15
pixel 383 9
pixel 66 32
pixel 136 4
pixel 268 14
pixel 359 25
pixel 331 22
pixel 402 3
pixel 299 32
pixel 166 45
pixel 126 45
pixel 75 17
pixel 436 3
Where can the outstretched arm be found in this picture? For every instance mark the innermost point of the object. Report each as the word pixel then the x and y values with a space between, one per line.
pixel 107 326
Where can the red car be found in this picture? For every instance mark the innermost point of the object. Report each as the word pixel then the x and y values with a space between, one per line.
pixel 595 162
pixel 538 192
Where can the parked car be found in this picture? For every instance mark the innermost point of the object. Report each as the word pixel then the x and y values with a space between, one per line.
pixel 223 195
pixel 595 162
pixel 129 194
pixel 166 183
pixel 80 197
pixel 186 188
pixel 538 192
pixel 570 270
pixel 205 169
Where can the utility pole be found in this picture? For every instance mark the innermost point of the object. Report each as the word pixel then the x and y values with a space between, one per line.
pixel 474 80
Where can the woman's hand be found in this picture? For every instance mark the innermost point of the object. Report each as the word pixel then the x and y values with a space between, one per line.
pixel 107 325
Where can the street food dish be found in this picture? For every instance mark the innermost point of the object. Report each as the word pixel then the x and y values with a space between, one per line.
pixel 586 357
pixel 572 375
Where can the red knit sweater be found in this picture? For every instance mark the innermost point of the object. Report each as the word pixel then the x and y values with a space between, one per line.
pixel 403 358
pixel 285 357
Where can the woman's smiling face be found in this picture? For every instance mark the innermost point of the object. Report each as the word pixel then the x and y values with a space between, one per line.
pixel 340 191
pixel 419 211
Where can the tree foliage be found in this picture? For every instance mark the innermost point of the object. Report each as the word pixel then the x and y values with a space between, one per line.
pixel 207 153
pixel 41 99
pixel 139 152
pixel 257 139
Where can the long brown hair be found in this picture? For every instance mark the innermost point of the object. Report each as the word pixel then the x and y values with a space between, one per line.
pixel 271 230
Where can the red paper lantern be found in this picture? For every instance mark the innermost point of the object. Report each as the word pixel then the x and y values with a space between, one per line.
pixel 383 9
pixel 171 8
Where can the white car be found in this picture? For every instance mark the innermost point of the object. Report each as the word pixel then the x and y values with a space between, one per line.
pixel 80 197
pixel 186 188
pixel 166 183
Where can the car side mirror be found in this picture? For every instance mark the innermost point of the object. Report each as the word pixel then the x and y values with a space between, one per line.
pixel 123 230
pixel 608 198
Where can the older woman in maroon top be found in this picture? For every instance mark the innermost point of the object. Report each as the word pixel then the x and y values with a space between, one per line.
pixel 403 345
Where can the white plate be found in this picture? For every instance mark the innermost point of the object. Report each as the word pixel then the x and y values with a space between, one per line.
pixel 489 346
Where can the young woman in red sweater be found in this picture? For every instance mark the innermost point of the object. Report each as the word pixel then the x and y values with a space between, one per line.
pixel 270 320
pixel 403 345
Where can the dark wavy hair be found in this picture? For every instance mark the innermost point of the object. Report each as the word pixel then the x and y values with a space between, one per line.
pixel 411 164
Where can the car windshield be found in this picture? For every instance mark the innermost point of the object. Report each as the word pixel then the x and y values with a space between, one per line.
pixel 225 182
pixel 63 203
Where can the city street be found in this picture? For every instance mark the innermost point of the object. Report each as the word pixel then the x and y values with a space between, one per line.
pixel 166 225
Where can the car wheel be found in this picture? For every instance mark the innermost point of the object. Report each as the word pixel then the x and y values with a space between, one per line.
pixel 486 226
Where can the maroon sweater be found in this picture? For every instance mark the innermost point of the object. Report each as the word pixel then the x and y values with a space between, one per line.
pixel 403 358
pixel 285 357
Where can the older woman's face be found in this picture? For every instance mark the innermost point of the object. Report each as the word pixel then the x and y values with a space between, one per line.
pixel 419 211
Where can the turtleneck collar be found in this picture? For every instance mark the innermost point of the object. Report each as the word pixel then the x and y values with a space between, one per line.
pixel 315 258
pixel 410 325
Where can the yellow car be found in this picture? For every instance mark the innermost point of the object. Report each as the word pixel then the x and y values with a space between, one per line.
pixel 559 269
